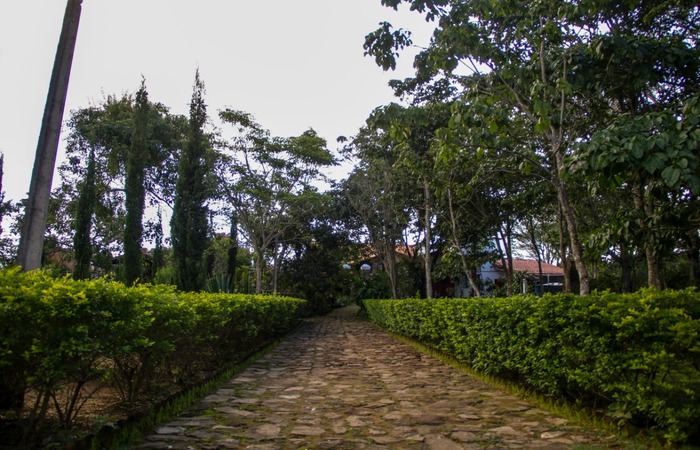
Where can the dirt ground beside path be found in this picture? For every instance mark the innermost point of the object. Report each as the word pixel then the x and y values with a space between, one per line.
pixel 338 382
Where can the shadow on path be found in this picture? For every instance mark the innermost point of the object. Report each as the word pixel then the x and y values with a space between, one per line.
pixel 339 382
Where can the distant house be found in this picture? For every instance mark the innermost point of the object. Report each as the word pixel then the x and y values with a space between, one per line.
pixel 552 276
pixel 493 274
pixel 490 274
pixel 369 255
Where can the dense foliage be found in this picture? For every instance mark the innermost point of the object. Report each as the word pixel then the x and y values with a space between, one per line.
pixel 634 356
pixel 574 121
pixel 59 338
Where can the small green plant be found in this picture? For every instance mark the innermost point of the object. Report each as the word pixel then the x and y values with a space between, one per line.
pixel 220 282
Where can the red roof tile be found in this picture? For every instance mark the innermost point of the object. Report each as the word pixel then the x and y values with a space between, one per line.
pixel 530 266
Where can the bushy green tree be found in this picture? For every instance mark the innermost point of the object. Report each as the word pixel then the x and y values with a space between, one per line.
pixel 158 250
pixel 415 132
pixel 261 177
pixel 319 247
pixel 565 70
pixel 108 130
pixel 378 197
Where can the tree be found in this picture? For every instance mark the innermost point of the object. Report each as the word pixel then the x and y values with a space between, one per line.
pixel 108 131
pixel 260 179
pixel 653 158
pixel 521 56
pixel 319 246
pixel 565 68
pixel 3 205
pixel 415 131
pixel 647 65
pixel 232 252
pixel 469 212
pixel 36 210
pixel 189 228
pixel 136 189
pixel 82 242
pixel 378 196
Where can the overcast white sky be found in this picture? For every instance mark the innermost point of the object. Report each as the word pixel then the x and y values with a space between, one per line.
pixel 292 64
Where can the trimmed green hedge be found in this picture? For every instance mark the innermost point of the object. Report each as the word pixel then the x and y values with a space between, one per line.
pixel 636 355
pixel 59 336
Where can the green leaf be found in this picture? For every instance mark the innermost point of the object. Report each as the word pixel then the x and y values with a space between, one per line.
pixel 525 167
pixel 671 175
pixel 653 164
pixel 542 126
pixel 660 142
pixel 637 149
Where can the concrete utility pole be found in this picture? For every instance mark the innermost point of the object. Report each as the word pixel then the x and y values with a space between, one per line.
pixel 32 240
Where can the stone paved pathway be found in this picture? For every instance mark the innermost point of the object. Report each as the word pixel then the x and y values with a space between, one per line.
pixel 341 383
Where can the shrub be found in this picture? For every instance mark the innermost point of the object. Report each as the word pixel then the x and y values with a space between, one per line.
pixel 636 355
pixel 57 336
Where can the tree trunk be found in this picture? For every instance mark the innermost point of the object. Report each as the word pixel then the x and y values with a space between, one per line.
pixel 258 271
pixel 158 257
pixel 277 251
pixel 536 248
pixel 626 261
pixel 563 251
pixel 389 260
pixel 644 206
pixel 694 257
pixel 428 237
pixel 568 213
pixel 36 213
pixel 655 278
pixel 473 283
pixel 503 245
pixel 387 242
pixel 471 277
pixel 232 252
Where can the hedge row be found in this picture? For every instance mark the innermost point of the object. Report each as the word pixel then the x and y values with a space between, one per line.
pixel 60 338
pixel 635 356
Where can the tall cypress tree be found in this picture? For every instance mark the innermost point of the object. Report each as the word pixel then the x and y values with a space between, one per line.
pixel 189 222
pixel 158 257
pixel 135 189
pixel 82 241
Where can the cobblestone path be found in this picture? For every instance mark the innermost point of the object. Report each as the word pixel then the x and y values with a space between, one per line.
pixel 341 383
